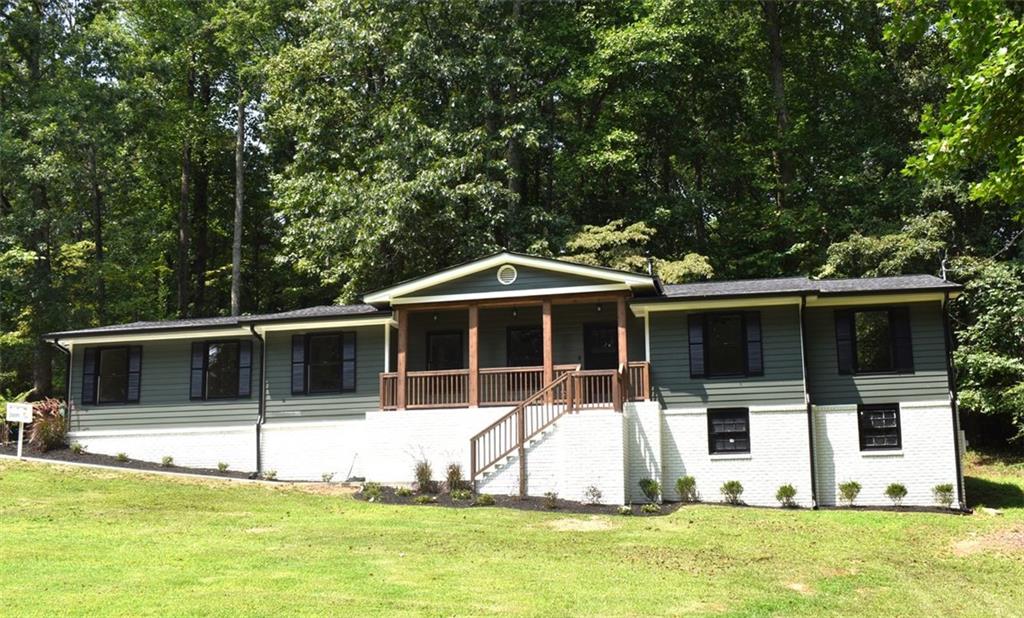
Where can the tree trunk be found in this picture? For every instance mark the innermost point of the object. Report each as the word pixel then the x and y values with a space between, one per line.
pixel 201 206
pixel 236 244
pixel 42 357
pixel 97 231
pixel 184 227
pixel 773 30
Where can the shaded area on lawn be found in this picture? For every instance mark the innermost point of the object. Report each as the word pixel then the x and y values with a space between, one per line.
pixel 993 493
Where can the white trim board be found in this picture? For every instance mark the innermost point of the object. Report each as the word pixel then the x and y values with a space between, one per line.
pixel 573 289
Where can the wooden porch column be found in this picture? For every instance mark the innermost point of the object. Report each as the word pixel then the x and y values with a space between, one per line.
pixel 474 355
pixel 549 364
pixel 620 318
pixel 403 343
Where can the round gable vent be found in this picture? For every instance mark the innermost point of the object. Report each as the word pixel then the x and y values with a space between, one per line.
pixel 507 274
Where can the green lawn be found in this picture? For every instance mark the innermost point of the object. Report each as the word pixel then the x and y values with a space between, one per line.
pixel 96 542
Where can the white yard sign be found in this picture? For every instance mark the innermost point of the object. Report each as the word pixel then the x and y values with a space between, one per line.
pixel 19 413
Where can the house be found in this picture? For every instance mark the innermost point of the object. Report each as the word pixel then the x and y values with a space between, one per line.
pixel 540 375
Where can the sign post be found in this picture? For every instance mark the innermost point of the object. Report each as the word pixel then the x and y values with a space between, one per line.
pixel 19 413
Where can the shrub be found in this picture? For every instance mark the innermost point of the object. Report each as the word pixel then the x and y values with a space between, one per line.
pixel 223 466
pixel 424 476
pixel 551 500
pixel 453 477
pixel 77 448
pixel 896 492
pixel 592 495
pixel 122 457
pixel 48 429
pixel 459 495
pixel 687 488
pixel 425 499
pixel 484 500
pixel 270 475
pixel 625 510
pixel 167 461
pixel 371 491
pixel 404 492
pixel 651 489
pixel 650 508
pixel 943 494
pixel 731 491
pixel 327 477
pixel 849 491
pixel 785 495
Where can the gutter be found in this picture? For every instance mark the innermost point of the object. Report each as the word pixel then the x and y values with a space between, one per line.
pixel 951 381
pixel 807 399
pixel 261 406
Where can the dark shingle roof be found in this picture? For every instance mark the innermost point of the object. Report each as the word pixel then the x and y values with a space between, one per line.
pixel 788 286
pixel 309 313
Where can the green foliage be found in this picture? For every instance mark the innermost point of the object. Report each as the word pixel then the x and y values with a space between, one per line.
pixel 484 500
pixel 327 477
pixel 848 492
pixel 686 486
pixel 453 476
pixel 121 457
pixel 424 475
pixel 896 492
pixel 625 510
pixel 49 427
pixel 651 489
pixel 592 495
pixel 372 491
pixel 77 448
pixel 167 461
pixel 916 248
pixel 461 495
pixel 786 495
pixel 650 508
pixel 621 246
pixel 425 499
pixel 943 494
pixel 222 466
pixel 731 491
pixel 269 475
pixel 403 492
pixel 551 500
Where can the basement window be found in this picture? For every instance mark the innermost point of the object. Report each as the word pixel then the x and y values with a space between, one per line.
pixel 879 427
pixel 729 430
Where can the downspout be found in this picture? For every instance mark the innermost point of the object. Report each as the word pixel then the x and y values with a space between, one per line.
pixel 261 399
pixel 951 381
pixel 807 400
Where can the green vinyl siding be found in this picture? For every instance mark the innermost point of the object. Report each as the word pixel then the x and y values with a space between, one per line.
pixel 927 383
pixel 781 384
pixel 164 394
pixel 527 279
pixel 282 405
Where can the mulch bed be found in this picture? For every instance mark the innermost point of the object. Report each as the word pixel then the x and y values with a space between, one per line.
pixel 66 454
pixel 388 496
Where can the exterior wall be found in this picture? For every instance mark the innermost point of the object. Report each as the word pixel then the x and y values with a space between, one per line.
pixel 779 454
pixel 282 405
pixel 164 394
pixel 528 278
pixel 306 450
pixel 781 384
pixel 926 459
pixel 644 448
pixel 928 382
pixel 192 447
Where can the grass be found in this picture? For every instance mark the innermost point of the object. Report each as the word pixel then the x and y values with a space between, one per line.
pixel 91 542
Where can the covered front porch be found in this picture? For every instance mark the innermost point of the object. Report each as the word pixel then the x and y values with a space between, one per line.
pixel 500 352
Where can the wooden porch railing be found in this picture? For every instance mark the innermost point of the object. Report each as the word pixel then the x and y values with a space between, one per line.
pixel 639 381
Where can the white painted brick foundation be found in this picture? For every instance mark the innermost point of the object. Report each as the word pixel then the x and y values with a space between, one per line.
pixel 192 447
pixel 644 447
pixel 926 459
pixel 306 450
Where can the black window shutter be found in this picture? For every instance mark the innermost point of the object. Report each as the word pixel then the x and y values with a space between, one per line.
pixel 89 377
pixel 755 356
pixel 134 373
pixel 844 340
pixel 348 361
pixel 902 350
pixel 197 373
pixel 696 322
pixel 244 368
pixel 298 364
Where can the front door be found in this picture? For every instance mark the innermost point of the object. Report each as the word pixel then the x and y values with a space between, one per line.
pixel 525 346
pixel 600 346
pixel 444 350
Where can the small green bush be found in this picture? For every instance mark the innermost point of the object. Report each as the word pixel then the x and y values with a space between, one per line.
pixel 651 489
pixel 327 477
pixel 551 500
pixel 484 500
pixel 404 492
pixel 372 491
pixel 687 488
pixel 167 461
pixel 48 429
pixel 453 477
pixel 460 495
pixel 270 475
pixel 786 495
pixel 424 476
pixel 223 466
pixel 650 508
pixel 896 492
pixel 731 491
pixel 625 510
pixel 849 491
pixel 425 499
pixel 122 457
pixel 592 495
pixel 943 494
pixel 77 448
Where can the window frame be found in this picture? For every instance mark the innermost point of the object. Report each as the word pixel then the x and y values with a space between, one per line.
pixel 206 371
pixel 892 342
pixel 705 344
pixel 712 450
pixel 127 369
pixel 878 407
pixel 342 360
pixel 441 333
pixel 508 342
